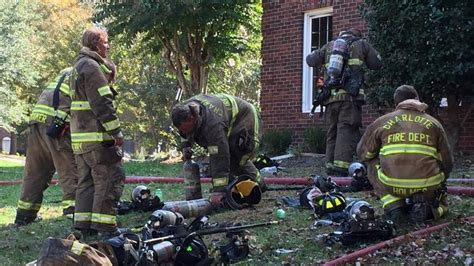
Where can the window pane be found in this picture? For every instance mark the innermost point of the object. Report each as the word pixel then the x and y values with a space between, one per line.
pixel 321 33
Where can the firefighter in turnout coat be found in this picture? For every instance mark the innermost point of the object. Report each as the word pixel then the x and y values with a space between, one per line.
pixel 343 114
pixel 46 154
pixel 96 137
pixel 229 128
pixel 409 159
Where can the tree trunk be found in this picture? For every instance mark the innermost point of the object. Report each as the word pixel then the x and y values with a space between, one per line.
pixel 199 76
pixel 452 122
pixel 13 145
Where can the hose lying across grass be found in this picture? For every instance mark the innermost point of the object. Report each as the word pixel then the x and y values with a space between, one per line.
pixel 349 258
pixel 467 191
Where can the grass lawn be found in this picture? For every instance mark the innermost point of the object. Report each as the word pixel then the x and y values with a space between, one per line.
pixel 21 245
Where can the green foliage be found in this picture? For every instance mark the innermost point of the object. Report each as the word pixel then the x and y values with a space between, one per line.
pixel 277 142
pixel 146 93
pixel 37 40
pixel 239 76
pixel 17 56
pixel 190 34
pixel 315 139
pixel 425 43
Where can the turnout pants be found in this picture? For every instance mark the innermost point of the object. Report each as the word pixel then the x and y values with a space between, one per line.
pixel 99 189
pixel 44 156
pixel 343 120
pixel 392 199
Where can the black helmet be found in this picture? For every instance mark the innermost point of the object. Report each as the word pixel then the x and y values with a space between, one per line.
pixel 192 251
pixel 357 170
pixel 262 161
pixel 360 210
pixel 328 202
pixel 141 194
pixel 325 184
pixel 243 191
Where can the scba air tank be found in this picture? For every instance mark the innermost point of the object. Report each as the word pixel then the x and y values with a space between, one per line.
pixel 192 180
pixel 189 208
pixel 336 60
pixel 163 252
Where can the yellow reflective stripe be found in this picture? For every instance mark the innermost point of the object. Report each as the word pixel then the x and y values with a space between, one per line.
pixel 256 141
pixel 77 247
pixel 409 149
pixel 104 90
pixel 389 199
pixel 256 126
pixel 111 125
pixel 258 177
pixel 338 92
pixel 103 218
pixel 233 106
pixel 105 69
pixel 68 203
pixel 213 149
pixel 80 106
pixel 82 216
pixel 441 210
pixel 329 205
pixel 355 61
pixel 245 158
pixel 341 164
pixel 24 205
pixel 409 183
pixel 370 155
pixel 220 181
pixel 90 137
pixel 48 110
pixel 64 88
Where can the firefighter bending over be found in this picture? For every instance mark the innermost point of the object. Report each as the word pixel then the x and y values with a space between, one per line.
pixel 229 128
pixel 409 160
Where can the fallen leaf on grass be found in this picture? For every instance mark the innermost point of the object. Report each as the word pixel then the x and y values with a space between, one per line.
pixel 286 251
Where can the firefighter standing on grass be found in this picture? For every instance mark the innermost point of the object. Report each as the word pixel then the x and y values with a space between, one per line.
pixel 229 128
pixel 96 137
pixel 47 153
pixel 343 60
pixel 409 160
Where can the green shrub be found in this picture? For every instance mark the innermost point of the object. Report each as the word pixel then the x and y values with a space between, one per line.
pixel 277 142
pixel 315 140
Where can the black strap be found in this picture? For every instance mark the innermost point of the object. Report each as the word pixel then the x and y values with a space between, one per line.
pixel 56 91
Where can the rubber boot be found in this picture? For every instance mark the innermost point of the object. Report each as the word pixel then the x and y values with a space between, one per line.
pixel 420 210
pixel 396 215
pixel 21 220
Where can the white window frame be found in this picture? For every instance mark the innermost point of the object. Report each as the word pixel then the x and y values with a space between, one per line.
pixel 307 93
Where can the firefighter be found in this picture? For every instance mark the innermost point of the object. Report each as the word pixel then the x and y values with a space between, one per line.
pixel 96 137
pixel 48 153
pixel 230 129
pixel 409 159
pixel 342 60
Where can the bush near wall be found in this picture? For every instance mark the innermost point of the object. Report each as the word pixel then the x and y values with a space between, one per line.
pixel 276 142
pixel 315 140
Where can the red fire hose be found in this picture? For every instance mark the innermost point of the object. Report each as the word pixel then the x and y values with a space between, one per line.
pixel 468 191
pixel 349 258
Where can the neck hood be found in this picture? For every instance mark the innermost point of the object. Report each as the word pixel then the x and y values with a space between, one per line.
pixel 412 104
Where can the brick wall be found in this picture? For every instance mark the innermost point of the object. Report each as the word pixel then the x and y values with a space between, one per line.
pixel 282 48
